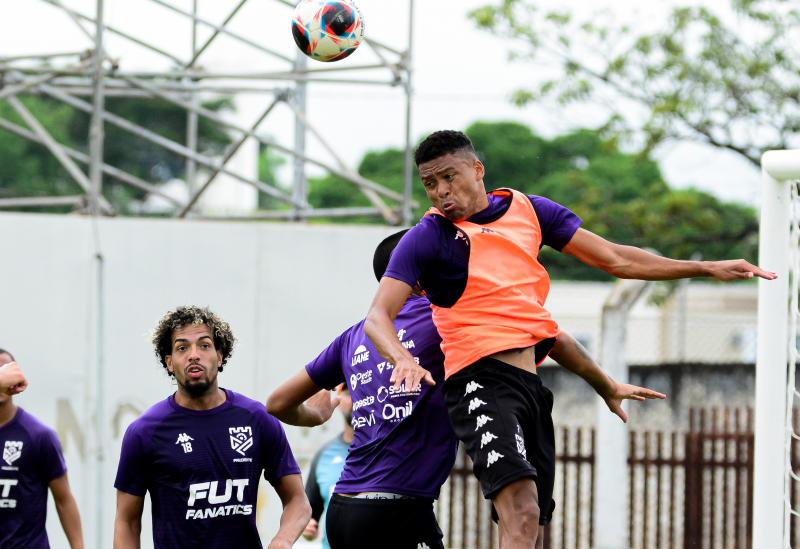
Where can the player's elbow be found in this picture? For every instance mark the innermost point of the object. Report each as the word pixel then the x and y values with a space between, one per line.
pixel 277 404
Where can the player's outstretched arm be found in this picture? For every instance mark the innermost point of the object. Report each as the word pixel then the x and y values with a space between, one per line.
pixel 296 512
pixel 67 509
pixel 128 522
pixel 298 401
pixel 390 298
pixel 632 262
pixel 570 354
pixel 12 380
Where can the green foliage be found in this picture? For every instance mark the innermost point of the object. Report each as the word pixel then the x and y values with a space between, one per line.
pixel 619 196
pixel 729 78
pixel 28 169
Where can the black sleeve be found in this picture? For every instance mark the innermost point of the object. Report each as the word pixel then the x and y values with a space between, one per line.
pixel 312 488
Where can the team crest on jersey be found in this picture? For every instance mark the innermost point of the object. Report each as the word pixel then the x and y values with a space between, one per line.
pixel 12 451
pixel 241 438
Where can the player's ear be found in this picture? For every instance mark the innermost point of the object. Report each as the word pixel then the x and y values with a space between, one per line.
pixel 219 359
pixel 480 170
pixel 168 362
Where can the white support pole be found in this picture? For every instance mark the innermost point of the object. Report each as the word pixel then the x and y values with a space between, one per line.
pixel 772 355
pixel 611 447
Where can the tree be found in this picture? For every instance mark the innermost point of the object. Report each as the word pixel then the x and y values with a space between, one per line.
pixel 28 169
pixel 727 78
pixel 619 195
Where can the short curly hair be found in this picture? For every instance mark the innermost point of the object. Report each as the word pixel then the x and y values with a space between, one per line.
pixel 441 143
pixel 185 316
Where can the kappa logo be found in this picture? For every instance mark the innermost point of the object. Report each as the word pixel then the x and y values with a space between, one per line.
pixel 241 438
pixel 185 441
pixel 482 420
pixel 462 236
pixel 493 458
pixel 361 354
pixel 521 446
pixel 487 438
pixel 474 404
pixel 472 386
pixel 12 451
pixel 423 545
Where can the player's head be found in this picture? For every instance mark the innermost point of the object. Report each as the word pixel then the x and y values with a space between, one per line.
pixel 5 358
pixel 451 173
pixel 193 344
pixel 380 260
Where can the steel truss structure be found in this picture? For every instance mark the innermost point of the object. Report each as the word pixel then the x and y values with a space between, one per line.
pixel 83 80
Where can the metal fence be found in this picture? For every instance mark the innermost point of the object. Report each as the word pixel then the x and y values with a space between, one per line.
pixel 689 488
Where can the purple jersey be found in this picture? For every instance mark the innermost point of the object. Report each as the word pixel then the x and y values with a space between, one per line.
pixel 202 467
pixel 31 459
pixel 436 254
pixel 403 441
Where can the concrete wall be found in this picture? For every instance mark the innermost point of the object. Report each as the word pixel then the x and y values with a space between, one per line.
pixel 286 290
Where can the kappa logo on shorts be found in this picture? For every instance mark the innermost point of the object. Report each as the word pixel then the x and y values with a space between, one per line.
pixel 423 545
pixel 241 438
pixel 487 438
pixel 472 386
pixel 482 420
pixel 493 458
pixel 12 451
pixel 474 404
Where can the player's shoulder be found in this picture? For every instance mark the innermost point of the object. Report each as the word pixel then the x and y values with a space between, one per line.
pixel 151 417
pixel 251 407
pixel 33 426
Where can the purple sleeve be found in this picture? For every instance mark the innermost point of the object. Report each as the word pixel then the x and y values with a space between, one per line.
pixel 52 464
pixel 278 459
pixel 132 469
pixel 415 251
pixel 559 224
pixel 326 370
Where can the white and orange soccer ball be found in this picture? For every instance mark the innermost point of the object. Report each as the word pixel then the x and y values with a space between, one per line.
pixel 327 30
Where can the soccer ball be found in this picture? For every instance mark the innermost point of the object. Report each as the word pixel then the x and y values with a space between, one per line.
pixel 327 30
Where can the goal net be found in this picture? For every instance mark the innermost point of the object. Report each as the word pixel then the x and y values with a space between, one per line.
pixel 776 482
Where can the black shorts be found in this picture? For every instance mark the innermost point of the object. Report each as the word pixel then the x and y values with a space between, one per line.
pixel 354 523
pixel 503 416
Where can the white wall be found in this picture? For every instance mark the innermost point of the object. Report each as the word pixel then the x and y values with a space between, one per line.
pixel 286 290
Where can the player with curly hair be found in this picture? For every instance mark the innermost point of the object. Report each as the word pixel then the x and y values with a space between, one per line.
pixel 200 452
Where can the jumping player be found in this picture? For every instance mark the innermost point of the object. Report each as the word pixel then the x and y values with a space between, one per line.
pixel 32 462
pixel 403 447
pixel 476 256
pixel 200 452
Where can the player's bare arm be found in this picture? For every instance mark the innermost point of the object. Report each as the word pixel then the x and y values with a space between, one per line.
pixel 298 401
pixel 296 512
pixel 12 380
pixel 570 354
pixel 632 262
pixel 67 509
pixel 128 521
pixel 388 301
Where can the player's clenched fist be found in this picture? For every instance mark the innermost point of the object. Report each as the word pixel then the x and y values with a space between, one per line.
pixel 12 380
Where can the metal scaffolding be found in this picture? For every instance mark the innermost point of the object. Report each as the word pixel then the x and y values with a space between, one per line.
pixel 83 78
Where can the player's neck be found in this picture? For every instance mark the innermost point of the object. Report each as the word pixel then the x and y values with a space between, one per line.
pixel 7 411
pixel 213 398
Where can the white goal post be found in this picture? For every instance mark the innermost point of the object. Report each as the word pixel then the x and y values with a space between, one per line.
pixel 777 349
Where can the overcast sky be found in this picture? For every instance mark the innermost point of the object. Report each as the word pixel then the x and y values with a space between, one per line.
pixel 461 74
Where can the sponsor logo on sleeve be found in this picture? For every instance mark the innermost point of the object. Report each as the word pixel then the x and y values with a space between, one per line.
pixel 493 457
pixel 361 354
pixel 482 420
pixel 474 404
pixel 360 378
